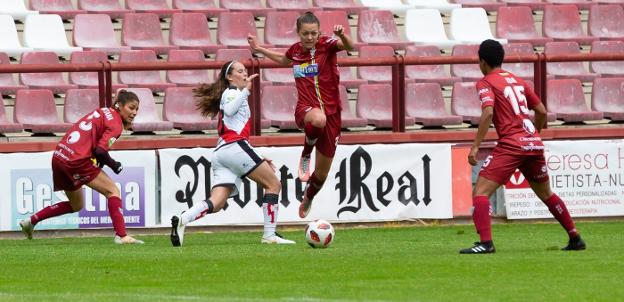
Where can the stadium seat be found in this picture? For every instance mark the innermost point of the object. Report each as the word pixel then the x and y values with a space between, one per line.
pixel 280 28
pixel 425 103
pixel 608 68
pixel 488 5
pixel 567 70
pixel 95 32
pixel 112 8
pixel 158 7
pixel 63 8
pixel 347 78
pixel 523 70
pixel 88 79
pixel 348 6
pixel 425 27
pixel 278 106
pixel 567 100
pixel 142 31
pixel 147 79
pixel 581 4
pixel 395 6
pixel 147 119
pixel 254 7
pixel 535 5
pixel 46 80
pixel 206 7
pixel 233 54
pixel 278 75
pixel 374 103
pixel 10 41
pixel 563 23
pixel 377 27
pixel 471 26
pixel 16 9
pixel 80 102
pixel 188 77
pixel 349 120
pixel 609 1
pixel 298 6
pixel 428 73
pixel 47 33
pixel 465 102
pixel 179 108
pixel 36 111
pixel 336 17
pixel 234 28
pixel 606 22
pixel 608 97
pixel 443 6
pixel 379 74
pixel 516 24
pixel 468 72
pixel 191 31
pixel 7 82
pixel 5 125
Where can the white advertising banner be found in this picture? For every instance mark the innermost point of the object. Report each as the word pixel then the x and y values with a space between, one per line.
pixel 26 179
pixel 587 175
pixel 365 183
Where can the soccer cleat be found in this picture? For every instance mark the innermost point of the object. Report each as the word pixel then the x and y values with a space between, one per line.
pixel 127 240
pixel 276 239
pixel 304 207
pixel 575 244
pixel 27 227
pixel 304 168
pixel 177 231
pixel 480 248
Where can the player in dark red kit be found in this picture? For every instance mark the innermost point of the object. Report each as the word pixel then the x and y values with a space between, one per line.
pixel 78 161
pixel 506 100
pixel 318 107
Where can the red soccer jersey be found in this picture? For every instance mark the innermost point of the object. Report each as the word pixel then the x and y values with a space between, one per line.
pixel 101 128
pixel 511 98
pixel 316 74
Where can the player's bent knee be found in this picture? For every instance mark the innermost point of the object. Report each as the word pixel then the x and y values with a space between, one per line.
pixel 319 121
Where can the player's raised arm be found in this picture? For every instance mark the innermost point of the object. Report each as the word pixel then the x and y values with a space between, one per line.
pixel 279 58
pixel 345 42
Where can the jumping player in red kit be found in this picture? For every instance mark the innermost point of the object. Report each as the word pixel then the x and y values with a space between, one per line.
pixel 506 100
pixel 318 107
pixel 78 161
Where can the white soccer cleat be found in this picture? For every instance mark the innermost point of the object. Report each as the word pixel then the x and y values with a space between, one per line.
pixel 177 231
pixel 276 239
pixel 304 168
pixel 127 240
pixel 27 227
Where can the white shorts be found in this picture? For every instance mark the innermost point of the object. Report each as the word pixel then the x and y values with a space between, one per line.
pixel 233 161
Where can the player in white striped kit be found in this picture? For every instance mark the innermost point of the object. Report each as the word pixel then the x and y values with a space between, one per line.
pixel 234 158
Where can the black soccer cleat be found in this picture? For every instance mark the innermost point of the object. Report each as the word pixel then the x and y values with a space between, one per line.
pixel 575 244
pixel 486 247
pixel 176 237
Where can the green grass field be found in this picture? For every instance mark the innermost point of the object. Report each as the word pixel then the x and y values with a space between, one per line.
pixel 370 264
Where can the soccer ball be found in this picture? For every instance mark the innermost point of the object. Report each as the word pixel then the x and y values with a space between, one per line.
pixel 319 233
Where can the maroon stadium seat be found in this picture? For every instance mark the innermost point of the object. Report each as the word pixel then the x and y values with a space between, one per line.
pixel 379 74
pixel 147 119
pixel 563 23
pixel 112 8
pixel 63 8
pixel 158 7
pixel 348 6
pixel 468 72
pixel 488 5
pixel 278 106
pixel 567 100
pixel 191 31
pixel 5 125
pixel 95 32
pixel 50 80
pixel 425 103
pixel 516 24
pixel 606 22
pixel 377 27
pixel 280 28
pixel 608 68
pixel 147 79
pixel 523 70
pixel 581 4
pixel 349 120
pixel 346 76
pixel 621 2
pixel 206 7
pixel 608 97
pixel 533 4
pixel 278 75
pixel 374 103
pixel 233 54
pixel 567 70
pixel 428 73
pixel 234 28
pixel 252 6
pixel 336 17
pixel 142 31
pixel 36 111
pixel 298 6
pixel 88 79
pixel 188 77
pixel 7 82
pixel 80 102
pixel 179 108
pixel 465 102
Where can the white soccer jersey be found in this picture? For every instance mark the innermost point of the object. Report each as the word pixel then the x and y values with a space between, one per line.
pixel 234 116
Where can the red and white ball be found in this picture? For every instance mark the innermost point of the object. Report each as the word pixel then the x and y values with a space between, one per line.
pixel 319 233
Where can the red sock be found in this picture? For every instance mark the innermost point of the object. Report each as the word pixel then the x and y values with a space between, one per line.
pixel 54 210
pixel 315 185
pixel 557 207
pixel 311 134
pixel 116 213
pixel 481 217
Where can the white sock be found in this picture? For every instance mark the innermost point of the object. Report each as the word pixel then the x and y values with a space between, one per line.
pixel 270 207
pixel 198 210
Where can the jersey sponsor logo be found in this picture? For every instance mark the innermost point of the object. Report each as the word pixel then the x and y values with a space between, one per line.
pixel 305 70
pixel 73 137
pixel 484 91
pixel 108 114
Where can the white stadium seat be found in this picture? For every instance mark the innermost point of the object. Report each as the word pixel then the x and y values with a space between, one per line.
pixel 9 41
pixel 47 33
pixel 471 26
pixel 16 9
pixel 395 6
pixel 442 5
pixel 425 27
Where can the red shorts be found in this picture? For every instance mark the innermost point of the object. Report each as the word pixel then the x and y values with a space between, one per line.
pixel 500 165
pixel 328 141
pixel 71 176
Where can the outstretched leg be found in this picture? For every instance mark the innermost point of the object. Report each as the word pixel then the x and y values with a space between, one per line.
pixel 74 204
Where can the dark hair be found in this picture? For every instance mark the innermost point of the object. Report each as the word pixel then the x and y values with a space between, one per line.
pixel 307 18
pixel 492 53
pixel 125 96
pixel 209 95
